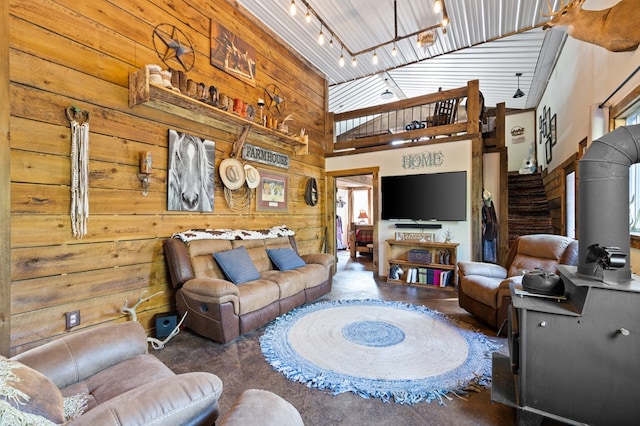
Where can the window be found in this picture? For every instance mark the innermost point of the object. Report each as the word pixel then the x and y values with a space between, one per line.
pixel 360 204
pixel 634 184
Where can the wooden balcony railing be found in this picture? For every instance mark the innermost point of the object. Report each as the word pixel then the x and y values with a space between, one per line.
pixel 421 120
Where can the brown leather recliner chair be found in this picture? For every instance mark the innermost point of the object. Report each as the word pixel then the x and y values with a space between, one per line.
pixel 483 288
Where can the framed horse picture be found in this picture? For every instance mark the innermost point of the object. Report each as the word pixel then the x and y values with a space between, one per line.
pixel 272 192
pixel 190 173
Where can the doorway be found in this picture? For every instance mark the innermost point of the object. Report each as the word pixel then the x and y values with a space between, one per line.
pixel 352 197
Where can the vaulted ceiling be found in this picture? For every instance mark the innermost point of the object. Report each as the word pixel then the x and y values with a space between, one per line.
pixel 486 40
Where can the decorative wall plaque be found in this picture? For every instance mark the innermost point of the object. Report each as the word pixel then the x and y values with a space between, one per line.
pixel 422 160
pixel 265 156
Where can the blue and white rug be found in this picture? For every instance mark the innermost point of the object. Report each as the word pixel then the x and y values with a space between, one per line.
pixel 394 351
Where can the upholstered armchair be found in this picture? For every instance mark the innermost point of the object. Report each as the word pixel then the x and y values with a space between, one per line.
pixel 483 288
pixel 107 377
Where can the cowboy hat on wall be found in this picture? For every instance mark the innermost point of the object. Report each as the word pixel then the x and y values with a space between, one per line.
pixel 232 173
pixel 252 176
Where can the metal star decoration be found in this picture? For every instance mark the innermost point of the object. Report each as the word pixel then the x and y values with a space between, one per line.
pixel 275 102
pixel 172 45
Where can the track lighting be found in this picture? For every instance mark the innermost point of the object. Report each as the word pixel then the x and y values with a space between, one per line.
pixel 519 93
pixel 439 6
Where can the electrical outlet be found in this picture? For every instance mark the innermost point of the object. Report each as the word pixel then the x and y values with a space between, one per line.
pixel 72 319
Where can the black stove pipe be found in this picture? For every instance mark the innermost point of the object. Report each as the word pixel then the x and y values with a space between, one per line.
pixel 603 199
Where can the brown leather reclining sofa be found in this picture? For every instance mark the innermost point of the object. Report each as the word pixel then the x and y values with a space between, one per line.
pixel 221 310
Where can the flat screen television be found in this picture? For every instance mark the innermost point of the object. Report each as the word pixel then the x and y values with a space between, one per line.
pixel 427 197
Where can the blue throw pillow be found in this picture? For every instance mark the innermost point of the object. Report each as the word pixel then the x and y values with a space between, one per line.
pixel 285 259
pixel 237 265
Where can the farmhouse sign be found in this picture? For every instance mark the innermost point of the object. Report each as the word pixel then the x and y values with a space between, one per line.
pixel 265 156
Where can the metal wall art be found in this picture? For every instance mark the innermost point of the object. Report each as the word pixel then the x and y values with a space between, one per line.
pixel 173 47
pixel 548 132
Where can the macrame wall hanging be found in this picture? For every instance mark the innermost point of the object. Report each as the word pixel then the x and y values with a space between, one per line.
pixel 79 121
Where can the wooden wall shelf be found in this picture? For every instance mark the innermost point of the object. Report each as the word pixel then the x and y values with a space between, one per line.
pixel 143 92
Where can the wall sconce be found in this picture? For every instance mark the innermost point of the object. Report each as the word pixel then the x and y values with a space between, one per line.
pixel 146 161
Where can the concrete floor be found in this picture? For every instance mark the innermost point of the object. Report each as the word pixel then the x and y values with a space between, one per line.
pixel 241 366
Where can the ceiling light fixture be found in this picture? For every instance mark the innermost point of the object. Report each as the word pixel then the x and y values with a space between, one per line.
pixel 387 94
pixel 341 60
pixel 321 37
pixel 292 8
pixel 375 58
pixel 331 42
pixel 519 93
pixel 354 61
pixel 310 11
pixel 437 7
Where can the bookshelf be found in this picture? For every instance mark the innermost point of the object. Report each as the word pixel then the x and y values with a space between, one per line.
pixel 398 254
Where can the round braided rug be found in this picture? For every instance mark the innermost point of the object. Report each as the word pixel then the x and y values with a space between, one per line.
pixel 390 350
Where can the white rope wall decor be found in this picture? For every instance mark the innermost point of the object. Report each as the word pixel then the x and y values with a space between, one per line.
pixel 79 121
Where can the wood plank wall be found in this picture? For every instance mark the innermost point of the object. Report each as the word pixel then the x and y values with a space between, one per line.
pixel 555 187
pixel 5 192
pixel 65 53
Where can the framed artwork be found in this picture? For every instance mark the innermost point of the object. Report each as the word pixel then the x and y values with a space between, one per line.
pixel 554 131
pixel 232 54
pixel 190 172
pixel 272 192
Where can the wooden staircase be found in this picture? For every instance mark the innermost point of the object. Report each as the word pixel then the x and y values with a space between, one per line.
pixel 529 211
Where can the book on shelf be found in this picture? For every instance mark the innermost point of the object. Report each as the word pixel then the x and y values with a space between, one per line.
pixel 445 277
pixel 422 275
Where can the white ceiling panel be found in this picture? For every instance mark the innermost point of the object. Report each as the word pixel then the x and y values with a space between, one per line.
pixel 487 40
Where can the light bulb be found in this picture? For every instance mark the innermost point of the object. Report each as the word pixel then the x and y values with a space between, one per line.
pixel 375 58
pixel 292 8
pixel 307 17
pixel 354 61
pixel 321 38
pixel 341 60
pixel 437 7
pixel 331 42
pixel 445 21
pixel 394 52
